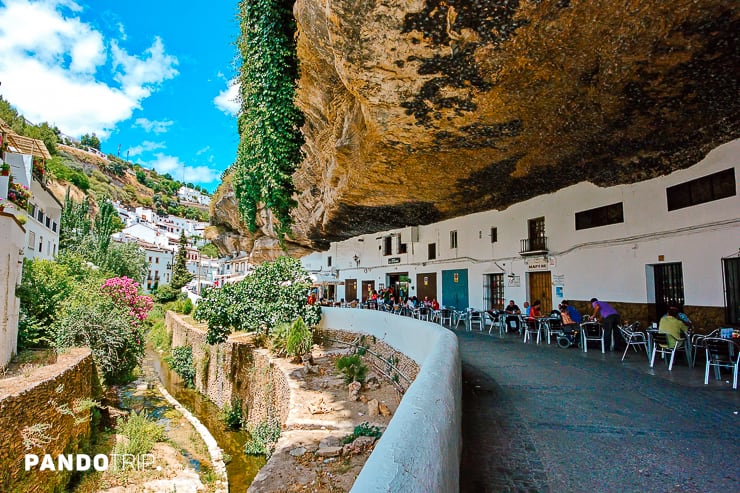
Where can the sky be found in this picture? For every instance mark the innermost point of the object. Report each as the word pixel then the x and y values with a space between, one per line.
pixel 152 79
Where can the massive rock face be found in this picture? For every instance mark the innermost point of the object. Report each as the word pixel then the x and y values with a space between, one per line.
pixel 420 110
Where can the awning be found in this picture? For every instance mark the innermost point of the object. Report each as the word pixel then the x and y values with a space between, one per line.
pixel 322 278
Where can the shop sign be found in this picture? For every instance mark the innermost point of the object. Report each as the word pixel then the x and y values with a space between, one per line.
pixel 394 260
pixel 537 264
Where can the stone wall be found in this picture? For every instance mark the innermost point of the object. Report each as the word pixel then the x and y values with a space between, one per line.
pixel 704 318
pixel 41 413
pixel 233 370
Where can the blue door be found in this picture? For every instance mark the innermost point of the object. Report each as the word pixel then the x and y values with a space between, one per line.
pixel 455 288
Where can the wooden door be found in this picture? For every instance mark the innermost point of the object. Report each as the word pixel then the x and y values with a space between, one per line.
pixel 350 290
pixel 426 285
pixel 540 288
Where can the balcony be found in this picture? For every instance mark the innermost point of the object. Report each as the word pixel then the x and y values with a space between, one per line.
pixel 533 246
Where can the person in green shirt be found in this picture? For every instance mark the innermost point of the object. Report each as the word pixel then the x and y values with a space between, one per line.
pixel 670 324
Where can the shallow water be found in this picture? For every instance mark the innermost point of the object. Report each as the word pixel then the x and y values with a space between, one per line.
pixel 242 469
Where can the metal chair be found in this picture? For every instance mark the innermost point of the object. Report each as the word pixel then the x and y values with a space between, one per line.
pixel 475 317
pixel 462 316
pixel 445 315
pixel 592 331
pixel 634 338
pixel 721 353
pixel 661 344
pixel 532 326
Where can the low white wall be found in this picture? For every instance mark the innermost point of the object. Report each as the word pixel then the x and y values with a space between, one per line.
pixel 420 450
pixel 11 263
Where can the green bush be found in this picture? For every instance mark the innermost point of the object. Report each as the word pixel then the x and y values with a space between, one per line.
pixel 352 367
pixel 276 292
pixel 363 430
pixel 232 415
pixel 165 293
pixel 279 339
pixel 263 438
pixel 300 339
pixel 142 434
pixel 159 337
pixel 181 361
pixel 187 307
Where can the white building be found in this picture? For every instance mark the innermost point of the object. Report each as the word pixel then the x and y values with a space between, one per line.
pixel 145 233
pixel 11 264
pixel 671 240
pixel 43 212
pixel 160 262
pixel 189 195
pixel 233 269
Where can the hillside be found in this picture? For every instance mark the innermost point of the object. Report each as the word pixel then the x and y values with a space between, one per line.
pixel 83 172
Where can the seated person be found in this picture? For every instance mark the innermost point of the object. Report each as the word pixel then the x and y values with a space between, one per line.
pixel 435 304
pixel 512 308
pixel 673 326
pixel 535 309
pixel 526 308
pixel 572 311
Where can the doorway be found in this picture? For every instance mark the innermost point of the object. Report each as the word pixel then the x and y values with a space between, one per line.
pixel 426 285
pixel 400 284
pixel 455 288
pixel 668 287
pixel 350 290
pixel 367 290
pixel 540 288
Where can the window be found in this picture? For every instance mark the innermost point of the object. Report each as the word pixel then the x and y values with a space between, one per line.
pixel 600 216
pixel 40 215
pixel 156 260
pixel 328 261
pixel 403 248
pixel 31 240
pixel 705 189
pixel 387 245
pixel 493 291
pixel 31 209
pixel 54 226
pixel 48 222
pixel 453 239
pixel 41 244
pixel 494 235
pixel 432 249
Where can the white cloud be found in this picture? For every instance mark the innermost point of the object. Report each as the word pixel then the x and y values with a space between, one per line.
pixel 52 66
pixel 228 99
pixel 180 171
pixel 145 146
pixel 201 151
pixel 153 126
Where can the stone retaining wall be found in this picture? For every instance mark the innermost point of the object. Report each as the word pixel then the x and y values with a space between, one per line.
pixel 233 370
pixel 39 414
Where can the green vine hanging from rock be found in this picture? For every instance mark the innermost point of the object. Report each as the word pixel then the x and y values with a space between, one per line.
pixel 269 122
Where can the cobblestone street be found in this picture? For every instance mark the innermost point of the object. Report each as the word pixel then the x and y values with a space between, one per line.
pixel 539 418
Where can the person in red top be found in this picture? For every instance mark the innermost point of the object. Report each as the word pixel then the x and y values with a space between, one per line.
pixel 435 304
pixel 534 310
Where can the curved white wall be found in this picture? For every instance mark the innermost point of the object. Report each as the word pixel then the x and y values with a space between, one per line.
pixel 420 450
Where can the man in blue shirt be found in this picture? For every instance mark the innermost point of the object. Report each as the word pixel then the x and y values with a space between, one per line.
pixel 573 312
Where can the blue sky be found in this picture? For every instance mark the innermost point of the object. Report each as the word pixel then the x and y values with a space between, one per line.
pixel 154 77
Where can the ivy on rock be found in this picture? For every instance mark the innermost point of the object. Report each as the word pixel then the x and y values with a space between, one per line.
pixel 269 122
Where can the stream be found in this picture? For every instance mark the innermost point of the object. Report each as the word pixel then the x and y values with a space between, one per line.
pixel 242 469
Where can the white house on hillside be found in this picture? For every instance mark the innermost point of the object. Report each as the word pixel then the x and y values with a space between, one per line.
pixel 189 195
pixel 11 265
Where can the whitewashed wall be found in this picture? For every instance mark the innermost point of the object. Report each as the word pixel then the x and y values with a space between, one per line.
pixel 11 264
pixel 607 262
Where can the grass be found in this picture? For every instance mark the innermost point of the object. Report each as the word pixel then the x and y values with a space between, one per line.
pixel 142 434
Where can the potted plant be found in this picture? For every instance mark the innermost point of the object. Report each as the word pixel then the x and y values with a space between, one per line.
pixel 4 169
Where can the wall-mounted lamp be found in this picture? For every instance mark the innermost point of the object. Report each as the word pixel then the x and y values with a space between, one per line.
pixel 511 275
pixel 357 260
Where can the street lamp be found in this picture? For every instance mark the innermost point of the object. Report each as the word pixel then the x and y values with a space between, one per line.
pixel 357 260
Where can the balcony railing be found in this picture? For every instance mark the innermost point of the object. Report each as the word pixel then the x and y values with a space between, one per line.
pixel 532 246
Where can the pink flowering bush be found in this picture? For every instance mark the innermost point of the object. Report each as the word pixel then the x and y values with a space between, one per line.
pixel 124 292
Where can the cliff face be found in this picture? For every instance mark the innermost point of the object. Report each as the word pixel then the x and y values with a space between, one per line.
pixel 427 109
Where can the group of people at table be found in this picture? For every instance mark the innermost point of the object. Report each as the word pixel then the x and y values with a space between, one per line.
pixel 674 323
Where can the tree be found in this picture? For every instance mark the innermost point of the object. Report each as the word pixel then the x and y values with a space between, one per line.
pixel 75 223
pixel 269 122
pixel 90 140
pixel 180 274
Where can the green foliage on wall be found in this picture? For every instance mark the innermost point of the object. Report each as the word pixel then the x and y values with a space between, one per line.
pixel 275 293
pixel 181 362
pixel 269 122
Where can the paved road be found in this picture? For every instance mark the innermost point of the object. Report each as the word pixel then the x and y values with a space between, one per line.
pixel 537 418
